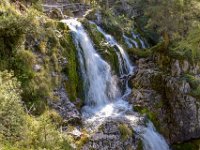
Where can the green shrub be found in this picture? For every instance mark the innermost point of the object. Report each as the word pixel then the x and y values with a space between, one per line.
pixel 12 115
pixel 23 64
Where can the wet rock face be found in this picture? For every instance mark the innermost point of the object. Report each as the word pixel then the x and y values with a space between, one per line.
pixel 109 137
pixel 67 109
pixel 166 98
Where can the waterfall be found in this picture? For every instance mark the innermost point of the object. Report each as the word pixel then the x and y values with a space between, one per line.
pixel 99 83
pixel 142 42
pixel 124 62
pixel 102 95
pixel 151 139
pixel 130 42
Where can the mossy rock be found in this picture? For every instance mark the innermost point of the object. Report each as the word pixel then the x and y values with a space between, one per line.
pixel 71 71
pixel 190 145
pixel 125 131
pixel 194 83
pixel 140 53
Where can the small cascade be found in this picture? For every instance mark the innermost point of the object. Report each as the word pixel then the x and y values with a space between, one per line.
pixel 130 42
pixel 124 62
pixel 103 98
pixel 124 59
pixel 151 139
pixel 142 42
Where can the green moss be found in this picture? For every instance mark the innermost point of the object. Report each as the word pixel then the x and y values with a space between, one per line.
pixel 83 140
pixel 191 145
pixel 160 47
pixel 139 53
pixel 71 69
pixel 140 145
pixel 195 85
pixel 125 131
pixel 151 115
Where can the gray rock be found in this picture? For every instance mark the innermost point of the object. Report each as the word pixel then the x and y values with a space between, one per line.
pixel 108 137
pixel 175 68
pixel 37 68
pixel 67 109
pixel 185 66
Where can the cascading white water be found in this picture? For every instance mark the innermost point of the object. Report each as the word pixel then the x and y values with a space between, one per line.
pixel 130 42
pixel 151 139
pixel 137 36
pixel 103 97
pixel 121 53
pixel 100 84
pixel 124 62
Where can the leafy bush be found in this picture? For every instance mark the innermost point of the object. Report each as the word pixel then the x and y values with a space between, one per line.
pixel 12 115
pixel 189 48
pixel 44 134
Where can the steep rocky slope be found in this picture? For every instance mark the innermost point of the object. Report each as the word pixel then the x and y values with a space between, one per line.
pixel 164 89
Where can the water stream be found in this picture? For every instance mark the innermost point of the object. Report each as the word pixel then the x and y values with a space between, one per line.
pixel 103 97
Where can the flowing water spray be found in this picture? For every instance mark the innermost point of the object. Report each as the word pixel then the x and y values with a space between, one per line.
pixel 102 95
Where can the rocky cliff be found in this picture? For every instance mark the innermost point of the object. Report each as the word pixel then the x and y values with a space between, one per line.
pixel 164 89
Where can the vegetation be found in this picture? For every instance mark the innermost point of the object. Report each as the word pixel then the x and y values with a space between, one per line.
pixel 125 131
pixel 191 145
pixel 195 85
pixel 33 50
pixel 18 129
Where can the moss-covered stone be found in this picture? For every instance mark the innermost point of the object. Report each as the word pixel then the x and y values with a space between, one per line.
pixel 125 131
pixel 194 83
pixel 191 145
pixel 139 53
pixel 71 71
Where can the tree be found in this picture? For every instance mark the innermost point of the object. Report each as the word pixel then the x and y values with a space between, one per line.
pixel 175 17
